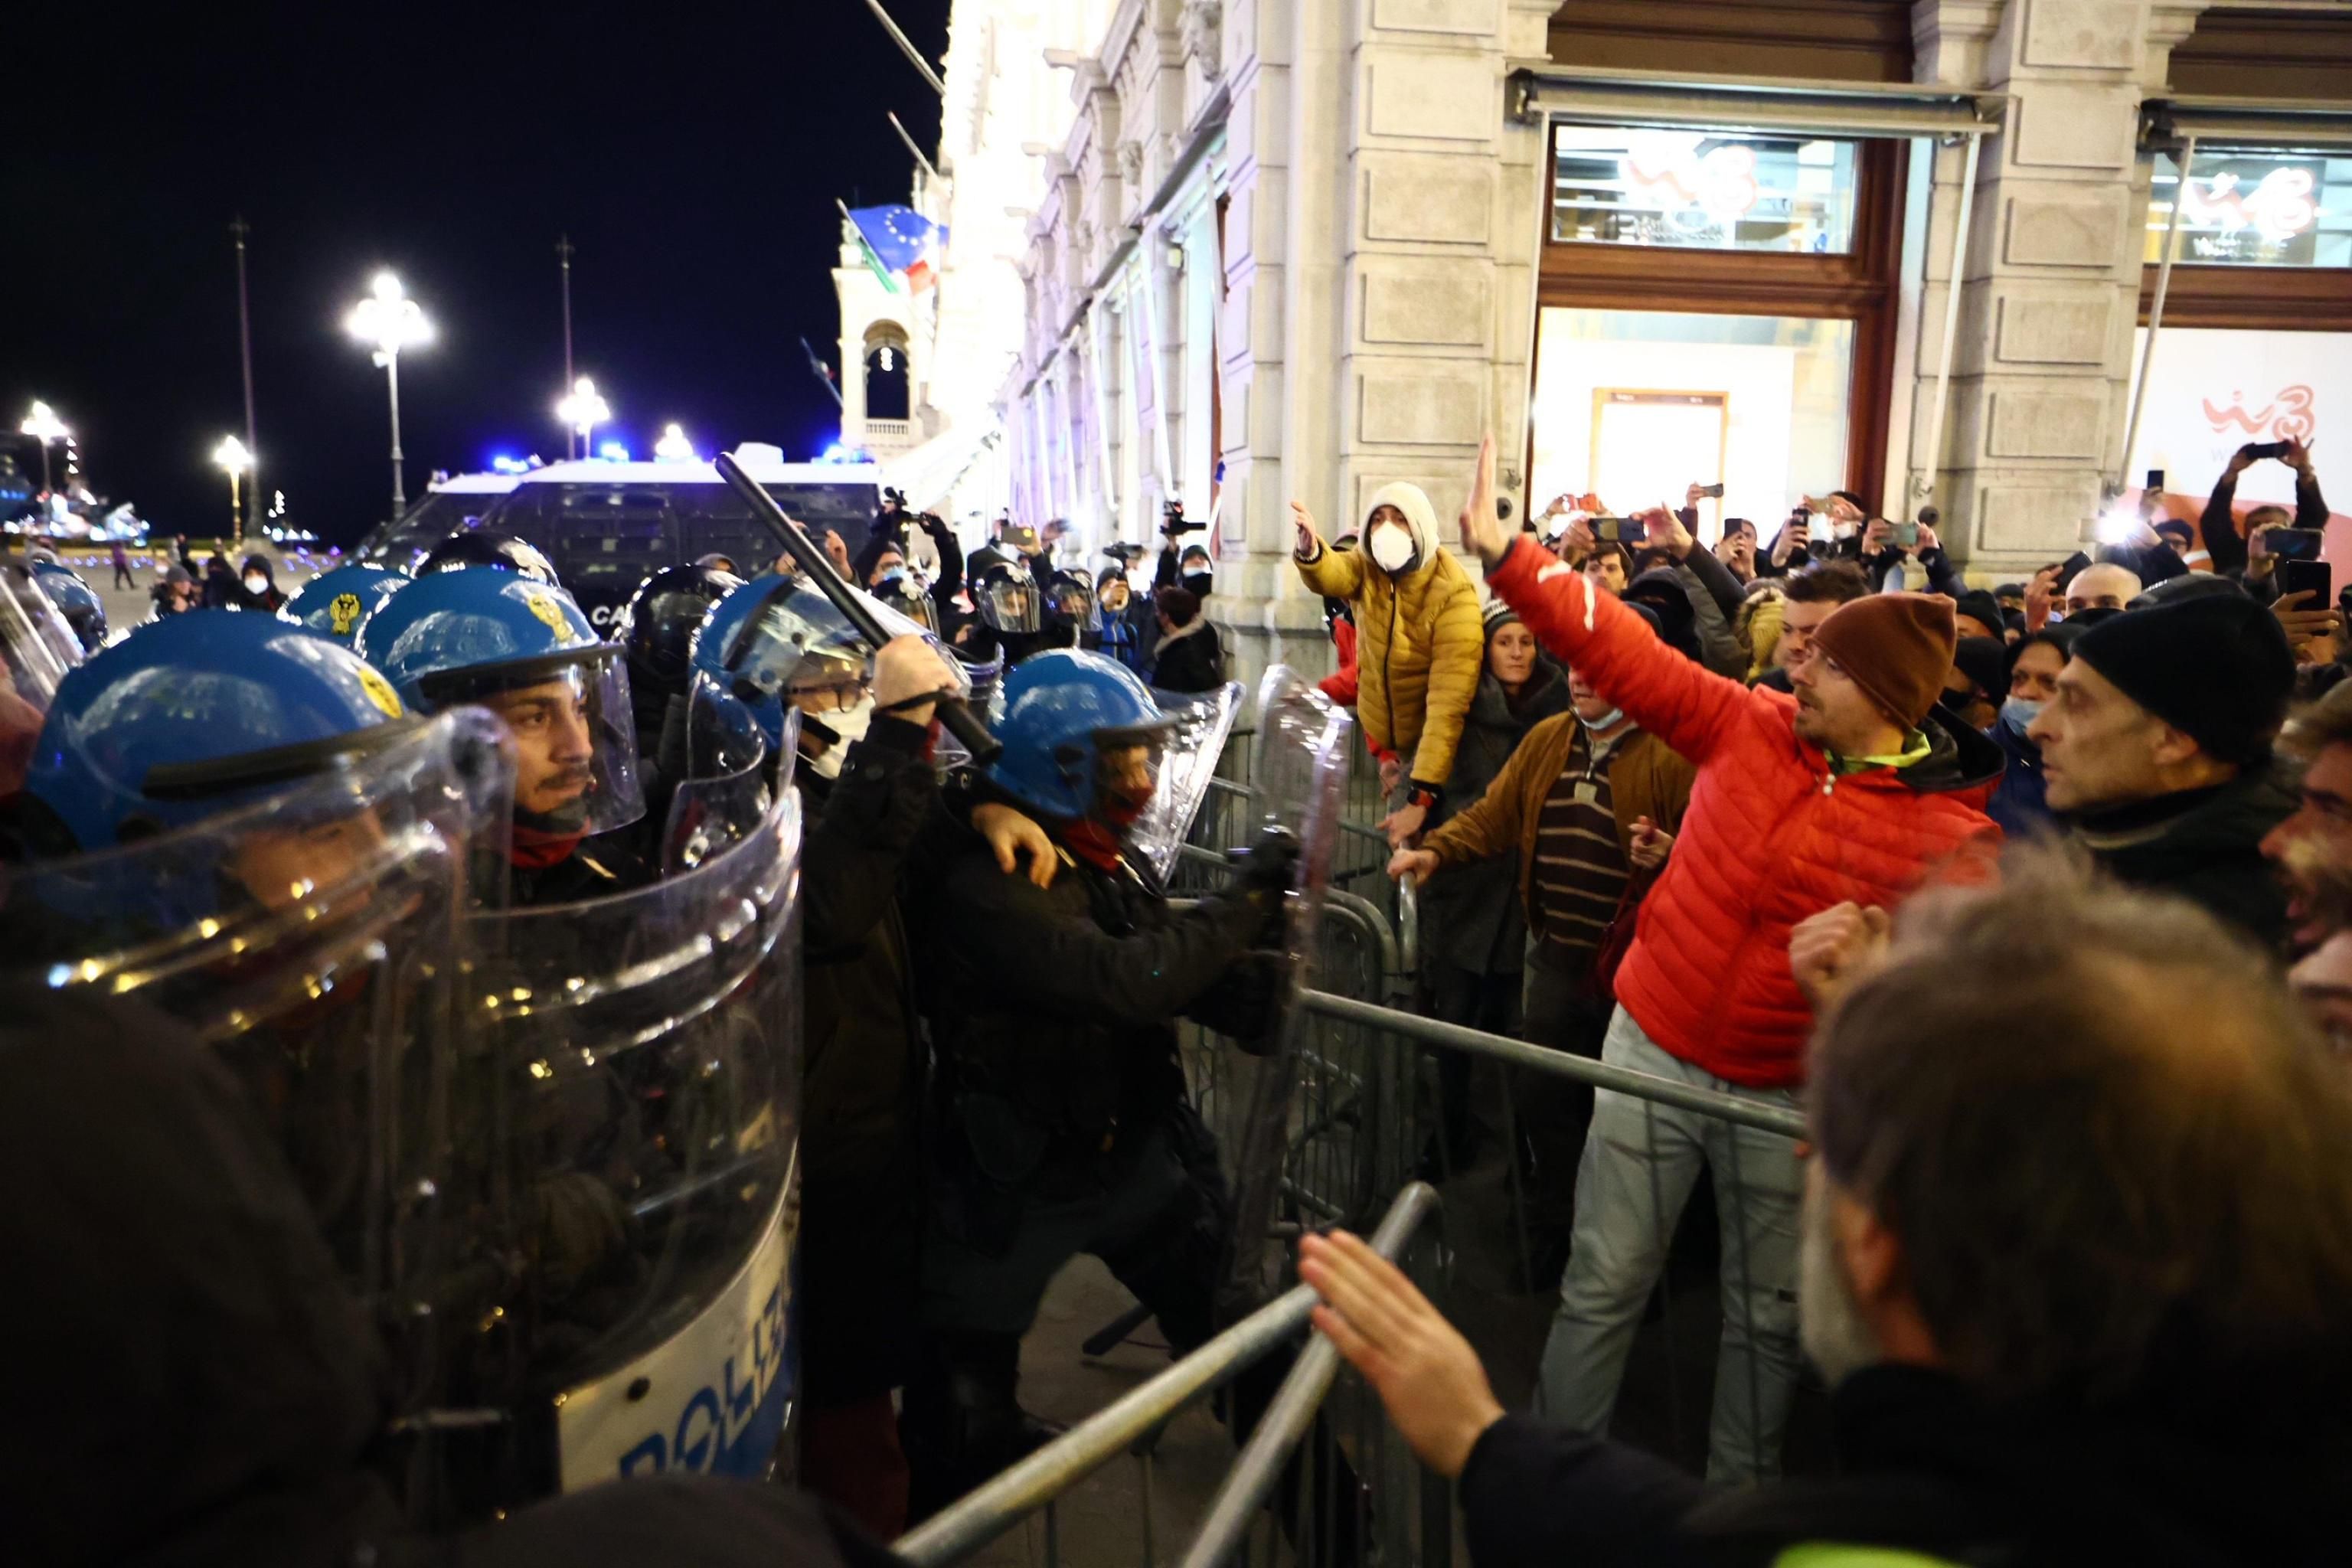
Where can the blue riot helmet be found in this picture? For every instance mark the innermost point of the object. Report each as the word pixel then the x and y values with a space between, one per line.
pixel 490 547
pixel 1072 726
pixel 778 643
pixel 524 651
pixel 76 600
pixel 195 715
pixel 333 604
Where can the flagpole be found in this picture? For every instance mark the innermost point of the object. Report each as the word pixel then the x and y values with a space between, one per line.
pixel 928 168
pixel 906 47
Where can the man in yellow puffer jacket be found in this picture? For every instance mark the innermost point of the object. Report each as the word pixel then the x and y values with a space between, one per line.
pixel 1420 640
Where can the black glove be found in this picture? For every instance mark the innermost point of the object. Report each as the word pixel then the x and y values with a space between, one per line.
pixel 1264 871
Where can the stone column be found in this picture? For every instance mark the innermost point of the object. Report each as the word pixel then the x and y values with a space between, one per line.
pixel 2050 282
pixel 1378 254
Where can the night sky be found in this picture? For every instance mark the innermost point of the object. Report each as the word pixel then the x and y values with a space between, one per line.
pixel 692 153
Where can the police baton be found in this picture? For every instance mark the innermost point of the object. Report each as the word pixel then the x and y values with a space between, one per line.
pixel 955 715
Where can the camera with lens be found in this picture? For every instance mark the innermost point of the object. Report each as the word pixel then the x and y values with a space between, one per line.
pixel 1172 519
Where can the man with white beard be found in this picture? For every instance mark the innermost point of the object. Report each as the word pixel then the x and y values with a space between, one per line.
pixel 2076 1265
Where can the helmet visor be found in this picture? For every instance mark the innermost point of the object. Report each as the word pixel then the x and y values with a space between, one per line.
pixel 906 594
pixel 1180 756
pixel 1072 603
pixel 37 650
pixel 726 792
pixel 798 642
pixel 576 744
pixel 1007 602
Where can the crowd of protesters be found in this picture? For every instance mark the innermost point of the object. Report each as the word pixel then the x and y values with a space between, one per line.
pixel 1999 889
pixel 2032 903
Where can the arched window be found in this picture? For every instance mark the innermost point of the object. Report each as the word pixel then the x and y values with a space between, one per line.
pixel 888 381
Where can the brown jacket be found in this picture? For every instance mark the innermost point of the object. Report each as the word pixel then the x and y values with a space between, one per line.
pixel 1646 778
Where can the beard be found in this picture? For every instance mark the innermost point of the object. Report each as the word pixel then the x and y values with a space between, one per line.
pixel 1829 1320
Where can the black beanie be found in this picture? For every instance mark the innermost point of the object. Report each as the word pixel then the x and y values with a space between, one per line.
pixel 1983 607
pixel 2217 667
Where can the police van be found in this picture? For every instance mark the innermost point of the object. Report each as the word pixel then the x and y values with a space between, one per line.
pixel 450 505
pixel 608 525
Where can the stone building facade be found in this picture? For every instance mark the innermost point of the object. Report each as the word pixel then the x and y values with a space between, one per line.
pixel 1240 251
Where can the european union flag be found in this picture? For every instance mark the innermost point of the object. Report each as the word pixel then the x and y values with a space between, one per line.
pixel 903 242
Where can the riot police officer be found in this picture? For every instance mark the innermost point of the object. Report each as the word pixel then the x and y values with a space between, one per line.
pixel 1063 1121
pixel 521 648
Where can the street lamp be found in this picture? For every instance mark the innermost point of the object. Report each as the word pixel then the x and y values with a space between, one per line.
pixel 673 446
pixel 44 426
pixel 583 410
pixel 232 454
pixel 390 321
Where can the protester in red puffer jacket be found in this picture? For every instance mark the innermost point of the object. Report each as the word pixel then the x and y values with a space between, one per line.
pixel 1850 791
pixel 1772 835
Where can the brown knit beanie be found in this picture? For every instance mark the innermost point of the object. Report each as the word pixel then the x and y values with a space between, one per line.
pixel 1896 647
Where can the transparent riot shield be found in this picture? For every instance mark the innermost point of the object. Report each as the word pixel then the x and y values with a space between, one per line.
pixel 637 1099
pixel 1187 758
pixel 730 778
pixel 1301 772
pixel 316 939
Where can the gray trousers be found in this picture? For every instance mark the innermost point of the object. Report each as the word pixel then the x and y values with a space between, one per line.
pixel 1640 1164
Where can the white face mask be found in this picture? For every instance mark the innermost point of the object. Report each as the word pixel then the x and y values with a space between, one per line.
pixel 1602 724
pixel 850 724
pixel 256 583
pixel 1392 546
pixel 2017 712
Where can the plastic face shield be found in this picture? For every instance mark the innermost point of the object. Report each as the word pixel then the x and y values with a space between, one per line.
pixel 726 790
pixel 1008 602
pixel 1072 604
pixel 574 741
pixel 800 642
pixel 37 651
pixel 1181 756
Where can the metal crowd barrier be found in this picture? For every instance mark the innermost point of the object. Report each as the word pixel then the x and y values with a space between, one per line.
pixel 1601 1075
pixel 1033 1485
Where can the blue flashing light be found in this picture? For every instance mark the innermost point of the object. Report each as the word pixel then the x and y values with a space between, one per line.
pixel 503 464
pixel 613 452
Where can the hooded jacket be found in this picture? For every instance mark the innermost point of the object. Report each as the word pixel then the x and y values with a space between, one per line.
pixel 1421 642
pixel 1772 836
pixel 209 1391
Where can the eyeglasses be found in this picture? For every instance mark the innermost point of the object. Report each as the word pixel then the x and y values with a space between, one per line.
pixel 834 696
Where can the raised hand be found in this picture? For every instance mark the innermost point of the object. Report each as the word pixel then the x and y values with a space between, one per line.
pixel 1482 530
pixel 1309 542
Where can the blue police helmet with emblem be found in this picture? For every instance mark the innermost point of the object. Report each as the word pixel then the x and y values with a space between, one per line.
pixel 333 604
pixel 527 652
pixel 1062 710
pixel 196 714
